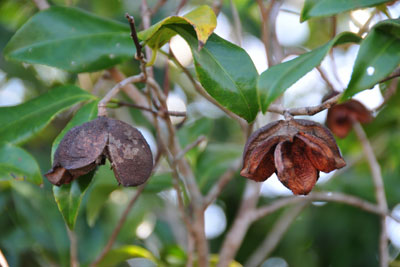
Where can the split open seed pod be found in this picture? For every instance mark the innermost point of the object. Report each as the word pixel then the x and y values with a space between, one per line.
pixel 296 150
pixel 85 147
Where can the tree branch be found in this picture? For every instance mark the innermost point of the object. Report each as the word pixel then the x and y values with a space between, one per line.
pixel 119 225
pixel 219 186
pixel 379 190
pixel 278 230
pixel 243 220
pixel 320 196
pixel 102 110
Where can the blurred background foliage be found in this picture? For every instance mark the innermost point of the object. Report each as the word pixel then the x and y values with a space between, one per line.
pixel 33 232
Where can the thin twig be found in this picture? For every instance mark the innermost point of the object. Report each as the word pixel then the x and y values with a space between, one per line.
pixel 158 113
pixel 119 225
pixel 182 3
pixel 220 184
pixel 41 4
pixel 320 196
pixel 3 260
pixel 242 222
pixel 237 23
pixel 379 190
pixel 157 7
pixel 325 78
pixel 305 110
pixel 73 248
pixel 364 28
pixel 395 73
pixel 271 240
pixel 217 6
pixel 102 111
pixel 190 147
pixel 139 55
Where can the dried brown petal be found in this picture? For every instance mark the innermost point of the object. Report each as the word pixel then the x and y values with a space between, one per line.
pixel 129 153
pixel 320 154
pixel 340 117
pixel 86 146
pixel 294 170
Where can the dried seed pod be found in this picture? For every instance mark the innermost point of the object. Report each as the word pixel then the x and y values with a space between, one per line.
pixel 86 146
pixel 341 117
pixel 78 151
pixel 129 154
pixel 295 149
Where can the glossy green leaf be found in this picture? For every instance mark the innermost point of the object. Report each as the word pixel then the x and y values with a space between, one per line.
pixel 23 121
pixel 124 253
pixel 69 197
pixel 202 19
pixel 16 163
pixel 71 39
pixel 378 56
pixel 86 113
pixel 322 8
pixel 225 71
pixel 19 123
pixel 274 81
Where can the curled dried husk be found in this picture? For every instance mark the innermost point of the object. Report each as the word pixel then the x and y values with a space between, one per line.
pixel 296 150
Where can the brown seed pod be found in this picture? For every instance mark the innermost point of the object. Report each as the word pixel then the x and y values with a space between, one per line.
pixel 295 150
pixel 341 117
pixel 86 146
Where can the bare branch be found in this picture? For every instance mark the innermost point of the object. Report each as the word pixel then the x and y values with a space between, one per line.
pixel 158 113
pixel 236 20
pixel 157 7
pixel 102 111
pixel 41 4
pixel 242 222
pixel 139 55
pixel 320 196
pixel 118 227
pixel 190 147
pixel 219 186
pixel 278 230
pixel 395 74
pixel 305 110
pixel 379 190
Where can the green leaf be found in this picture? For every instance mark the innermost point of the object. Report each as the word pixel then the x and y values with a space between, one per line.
pixel 225 71
pixel 322 8
pixel 202 19
pixel 19 123
pixel 71 39
pixel 69 197
pixel 124 253
pixel 274 81
pixel 378 56
pixel 16 163
pixel 86 113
